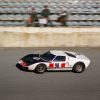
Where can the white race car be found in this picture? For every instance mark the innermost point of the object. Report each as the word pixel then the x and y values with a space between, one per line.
pixel 54 60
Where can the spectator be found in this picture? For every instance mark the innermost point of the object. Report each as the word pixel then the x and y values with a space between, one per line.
pixel 33 19
pixel 63 16
pixel 45 13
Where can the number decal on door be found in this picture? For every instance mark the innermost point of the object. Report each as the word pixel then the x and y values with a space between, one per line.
pixel 56 65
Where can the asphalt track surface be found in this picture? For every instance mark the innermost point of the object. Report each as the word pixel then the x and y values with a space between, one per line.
pixel 20 85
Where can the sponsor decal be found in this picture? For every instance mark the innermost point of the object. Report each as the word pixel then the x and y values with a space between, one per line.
pixel 67 64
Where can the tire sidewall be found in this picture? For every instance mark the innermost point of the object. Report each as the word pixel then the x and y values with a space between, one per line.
pixel 76 70
pixel 37 69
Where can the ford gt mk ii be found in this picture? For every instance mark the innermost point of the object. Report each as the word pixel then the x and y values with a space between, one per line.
pixel 54 60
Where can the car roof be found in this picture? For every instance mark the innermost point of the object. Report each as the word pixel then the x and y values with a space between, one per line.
pixel 58 53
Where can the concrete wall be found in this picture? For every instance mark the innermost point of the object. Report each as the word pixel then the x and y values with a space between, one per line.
pixel 52 37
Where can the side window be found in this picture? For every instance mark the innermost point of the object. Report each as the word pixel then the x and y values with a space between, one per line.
pixel 59 58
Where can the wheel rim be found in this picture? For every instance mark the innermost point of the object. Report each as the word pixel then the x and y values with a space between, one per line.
pixel 41 68
pixel 79 68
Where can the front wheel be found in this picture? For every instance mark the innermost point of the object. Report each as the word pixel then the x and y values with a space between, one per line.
pixel 78 68
pixel 41 68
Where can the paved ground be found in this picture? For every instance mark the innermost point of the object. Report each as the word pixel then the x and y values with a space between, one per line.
pixel 20 85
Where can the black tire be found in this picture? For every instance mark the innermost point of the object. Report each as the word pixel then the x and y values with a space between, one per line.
pixel 78 68
pixel 41 68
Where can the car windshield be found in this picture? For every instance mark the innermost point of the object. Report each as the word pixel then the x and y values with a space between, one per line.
pixel 47 56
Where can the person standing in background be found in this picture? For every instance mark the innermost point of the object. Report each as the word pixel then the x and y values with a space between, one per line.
pixel 46 13
pixel 63 17
pixel 33 19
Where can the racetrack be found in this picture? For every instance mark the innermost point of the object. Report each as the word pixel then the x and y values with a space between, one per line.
pixel 21 85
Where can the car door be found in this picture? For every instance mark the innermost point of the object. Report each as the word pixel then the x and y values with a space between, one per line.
pixel 60 62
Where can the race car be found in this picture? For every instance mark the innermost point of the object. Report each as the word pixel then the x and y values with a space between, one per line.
pixel 54 60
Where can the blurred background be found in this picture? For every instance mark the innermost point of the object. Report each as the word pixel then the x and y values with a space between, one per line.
pixel 79 12
pixel 49 23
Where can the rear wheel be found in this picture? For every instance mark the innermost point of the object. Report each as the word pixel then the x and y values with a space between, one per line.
pixel 79 68
pixel 41 68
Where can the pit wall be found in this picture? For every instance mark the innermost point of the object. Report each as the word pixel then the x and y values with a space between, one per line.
pixel 49 37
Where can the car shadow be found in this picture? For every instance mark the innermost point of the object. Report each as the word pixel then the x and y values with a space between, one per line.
pixel 48 71
pixel 59 71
